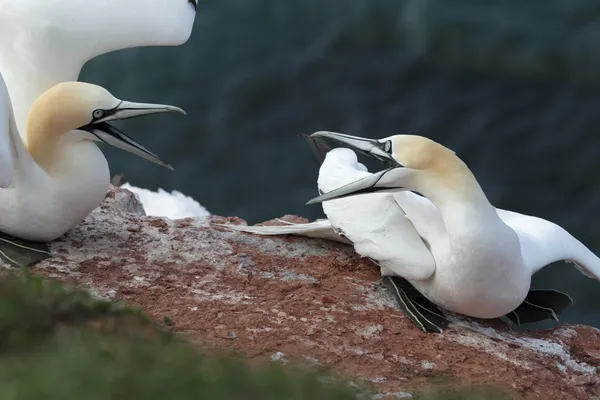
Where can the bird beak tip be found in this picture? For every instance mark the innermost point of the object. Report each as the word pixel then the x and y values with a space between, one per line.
pixel 175 109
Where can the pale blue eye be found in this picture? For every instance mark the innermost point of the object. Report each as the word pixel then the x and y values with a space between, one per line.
pixel 98 114
pixel 388 146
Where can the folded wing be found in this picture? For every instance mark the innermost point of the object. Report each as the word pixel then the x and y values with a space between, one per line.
pixel 375 223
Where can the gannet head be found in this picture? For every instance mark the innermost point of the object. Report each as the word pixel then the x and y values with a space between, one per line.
pixel 70 112
pixel 411 160
pixel 91 28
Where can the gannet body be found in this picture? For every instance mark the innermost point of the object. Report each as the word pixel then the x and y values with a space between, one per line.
pixel 46 42
pixel 52 183
pixel 451 244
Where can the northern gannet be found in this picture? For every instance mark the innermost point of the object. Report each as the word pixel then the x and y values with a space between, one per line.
pixel 52 183
pixel 449 247
pixel 46 42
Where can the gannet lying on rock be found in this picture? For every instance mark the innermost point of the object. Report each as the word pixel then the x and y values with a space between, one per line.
pixel 52 183
pixel 448 249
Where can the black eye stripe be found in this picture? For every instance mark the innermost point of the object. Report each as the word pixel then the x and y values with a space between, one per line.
pixel 102 113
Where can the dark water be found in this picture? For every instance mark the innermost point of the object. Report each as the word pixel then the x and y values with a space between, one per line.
pixel 512 87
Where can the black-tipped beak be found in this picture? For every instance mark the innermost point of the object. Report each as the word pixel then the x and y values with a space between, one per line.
pixel 108 134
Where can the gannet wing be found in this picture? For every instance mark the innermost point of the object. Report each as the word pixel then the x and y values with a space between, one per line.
pixel 374 222
pixel 6 150
pixel 423 214
pixel 544 242
pixel 320 229
pixel 379 229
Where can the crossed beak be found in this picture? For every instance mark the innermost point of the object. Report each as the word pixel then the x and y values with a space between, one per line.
pixel 379 181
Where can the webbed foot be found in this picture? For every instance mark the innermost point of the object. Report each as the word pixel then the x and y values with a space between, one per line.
pixel 22 253
pixel 540 305
pixel 423 313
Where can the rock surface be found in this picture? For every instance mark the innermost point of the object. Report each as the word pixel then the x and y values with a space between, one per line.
pixel 293 299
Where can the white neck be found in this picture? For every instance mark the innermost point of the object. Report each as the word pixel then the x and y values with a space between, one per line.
pixel 77 180
pixel 462 205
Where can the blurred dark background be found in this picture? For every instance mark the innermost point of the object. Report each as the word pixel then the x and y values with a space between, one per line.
pixel 513 87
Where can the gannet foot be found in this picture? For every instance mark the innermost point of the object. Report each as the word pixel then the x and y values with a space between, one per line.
pixel 22 253
pixel 540 305
pixel 420 311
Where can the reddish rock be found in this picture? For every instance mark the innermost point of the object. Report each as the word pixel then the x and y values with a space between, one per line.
pixel 305 300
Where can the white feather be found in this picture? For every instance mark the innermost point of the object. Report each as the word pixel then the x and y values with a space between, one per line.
pixel 174 205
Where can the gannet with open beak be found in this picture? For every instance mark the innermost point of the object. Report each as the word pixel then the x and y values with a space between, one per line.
pixel 457 250
pixel 52 183
pixel 46 42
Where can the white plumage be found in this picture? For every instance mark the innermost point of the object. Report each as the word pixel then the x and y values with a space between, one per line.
pixel 174 205
pixel 452 245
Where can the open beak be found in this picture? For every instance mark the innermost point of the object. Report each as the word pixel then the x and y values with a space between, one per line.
pixel 318 146
pixel 110 135
pixel 387 179
pixel 104 132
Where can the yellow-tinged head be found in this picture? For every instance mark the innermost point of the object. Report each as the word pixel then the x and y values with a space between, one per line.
pixel 72 112
pixel 66 107
pixel 418 152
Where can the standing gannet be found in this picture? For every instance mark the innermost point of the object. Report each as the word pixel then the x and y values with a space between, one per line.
pixel 452 245
pixel 46 42
pixel 52 183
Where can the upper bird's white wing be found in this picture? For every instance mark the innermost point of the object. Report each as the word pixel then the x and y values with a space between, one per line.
pixel 375 223
pixel 544 242
pixel 6 148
